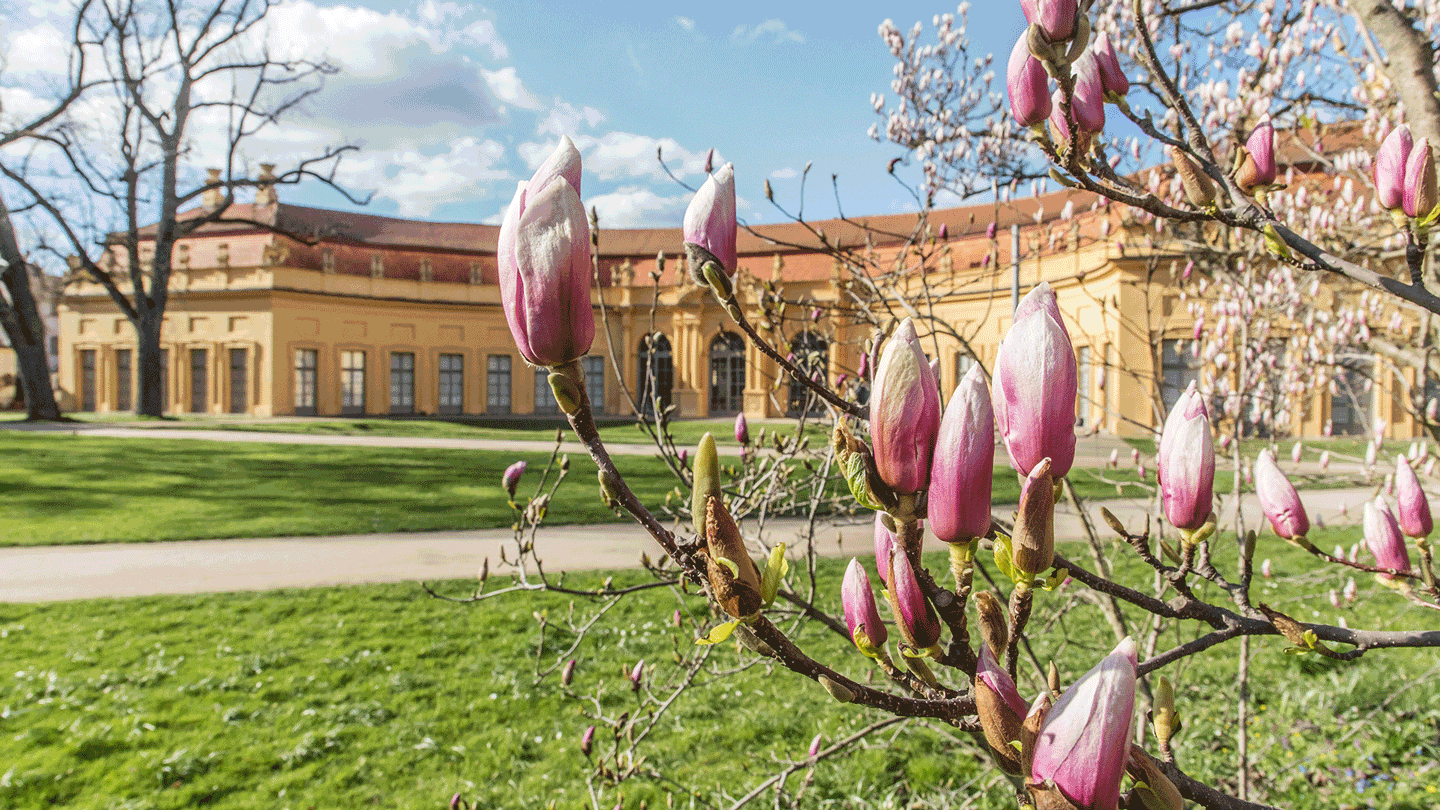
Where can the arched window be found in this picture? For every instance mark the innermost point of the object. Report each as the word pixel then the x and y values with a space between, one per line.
pixel 812 355
pixel 656 373
pixel 727 374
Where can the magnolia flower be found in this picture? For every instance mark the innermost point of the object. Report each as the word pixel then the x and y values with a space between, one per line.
pixel 1186 462
pixel 1389 168
pixel 742 429
pixel 1112 76
pixel 861 616
pixel 1258 169
pixel 710 229
pixel 1055 17
pixel 1035 386
pixel 962 471
pixel 1029 89
pixel 913 615
pixel 1278 498
pixel 511 479
pixel 905 412
pixel 1420 195
pixel 1084 741
pixel 1383 538
pixel 1413 506
pixel 543 255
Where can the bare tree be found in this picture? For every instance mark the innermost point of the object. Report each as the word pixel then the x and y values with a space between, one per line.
pixel 182 82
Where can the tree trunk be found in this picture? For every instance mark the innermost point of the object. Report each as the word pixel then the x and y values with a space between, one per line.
pixel 26 330
pixel 151 372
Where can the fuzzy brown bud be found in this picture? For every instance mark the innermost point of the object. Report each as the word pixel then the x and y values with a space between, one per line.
pixel 1199 189
pixel 994 630
pixel 1034 540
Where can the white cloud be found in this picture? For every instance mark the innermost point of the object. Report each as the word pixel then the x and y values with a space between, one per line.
pixel 774 32
pixel 688 26
pixel 567 119
pixel 421 183
pixel 634 207
pixel 506 86
pixel 617 155
pixel 784 174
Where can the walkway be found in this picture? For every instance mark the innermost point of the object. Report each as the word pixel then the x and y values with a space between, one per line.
pixel 134 569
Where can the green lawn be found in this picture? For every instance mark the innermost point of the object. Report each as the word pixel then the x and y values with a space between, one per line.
pixel 685 432
pixel 64 489
pixel 378 696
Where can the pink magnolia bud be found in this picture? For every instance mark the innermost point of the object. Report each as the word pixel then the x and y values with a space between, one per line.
pixel 587 741
pixel 709 229
pixel 1258 167
pixel 814 750
pixel 543 255
pixel 1297 451
pixel 1265 569
pixel 905 412
pixel 913 615
pixel 1029 90
pixel 861 616
pixel 991 674
pixel 1112 76
pixel 1389 168
pixel 1324 460
pixel 1413 506
pixel 511 478
pixel 992 228
pixel 962 473
pixel 1114 458
pixel 1383 538
pixel 1278 498
pixel 884 544
pixel 637 675
pixel 1035 386
pixel 1055 17
pixel 1186 462
pixel 1420 196
pixel 742 429
pixel 944 231
pixel 1084 743
pixel 863 372
pixel 1351 590
pixel 1088 103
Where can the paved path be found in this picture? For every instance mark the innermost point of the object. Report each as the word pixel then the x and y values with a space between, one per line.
pixel 133 569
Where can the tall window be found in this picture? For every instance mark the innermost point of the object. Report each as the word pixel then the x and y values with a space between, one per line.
pixel 123 400
pixel 727 374
pixel 199 380
pixel 594 368
pixel 452 383
pixel 656 372
pixel 402 382
pixel 497 383
pixel 544 395
pixel 352 382
pixel 1178 369
pixel 812 357
pixel 1082 404
pixel 1350 396
pixel 238 381
pixel 87 379
pixel 306 361
pixel 164 380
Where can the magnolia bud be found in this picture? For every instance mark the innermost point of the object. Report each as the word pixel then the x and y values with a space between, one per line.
pixel 1033 546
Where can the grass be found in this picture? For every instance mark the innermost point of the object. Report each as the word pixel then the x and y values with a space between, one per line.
pixel 63 489
pixel 68 489
pixel 686 432
pixel 379 696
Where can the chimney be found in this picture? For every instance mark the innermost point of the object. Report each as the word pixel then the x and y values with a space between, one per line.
pixel 214 195
pixel 265 187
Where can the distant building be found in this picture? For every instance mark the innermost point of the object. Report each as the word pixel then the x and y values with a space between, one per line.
pixel 391 316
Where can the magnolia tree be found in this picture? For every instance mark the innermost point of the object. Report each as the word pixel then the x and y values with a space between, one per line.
pixel 915 457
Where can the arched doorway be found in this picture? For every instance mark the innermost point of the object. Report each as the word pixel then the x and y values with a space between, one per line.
pixel 727 374
pixel 812 356
pixel 656 375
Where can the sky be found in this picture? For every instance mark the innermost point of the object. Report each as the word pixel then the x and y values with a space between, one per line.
pixel 452 103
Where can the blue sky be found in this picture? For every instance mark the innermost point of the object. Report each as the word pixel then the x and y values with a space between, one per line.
pixel 453 103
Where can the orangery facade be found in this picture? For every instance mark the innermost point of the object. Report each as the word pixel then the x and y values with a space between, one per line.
pixel 374 315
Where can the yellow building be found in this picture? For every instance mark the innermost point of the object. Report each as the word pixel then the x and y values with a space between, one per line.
pixel 389 316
